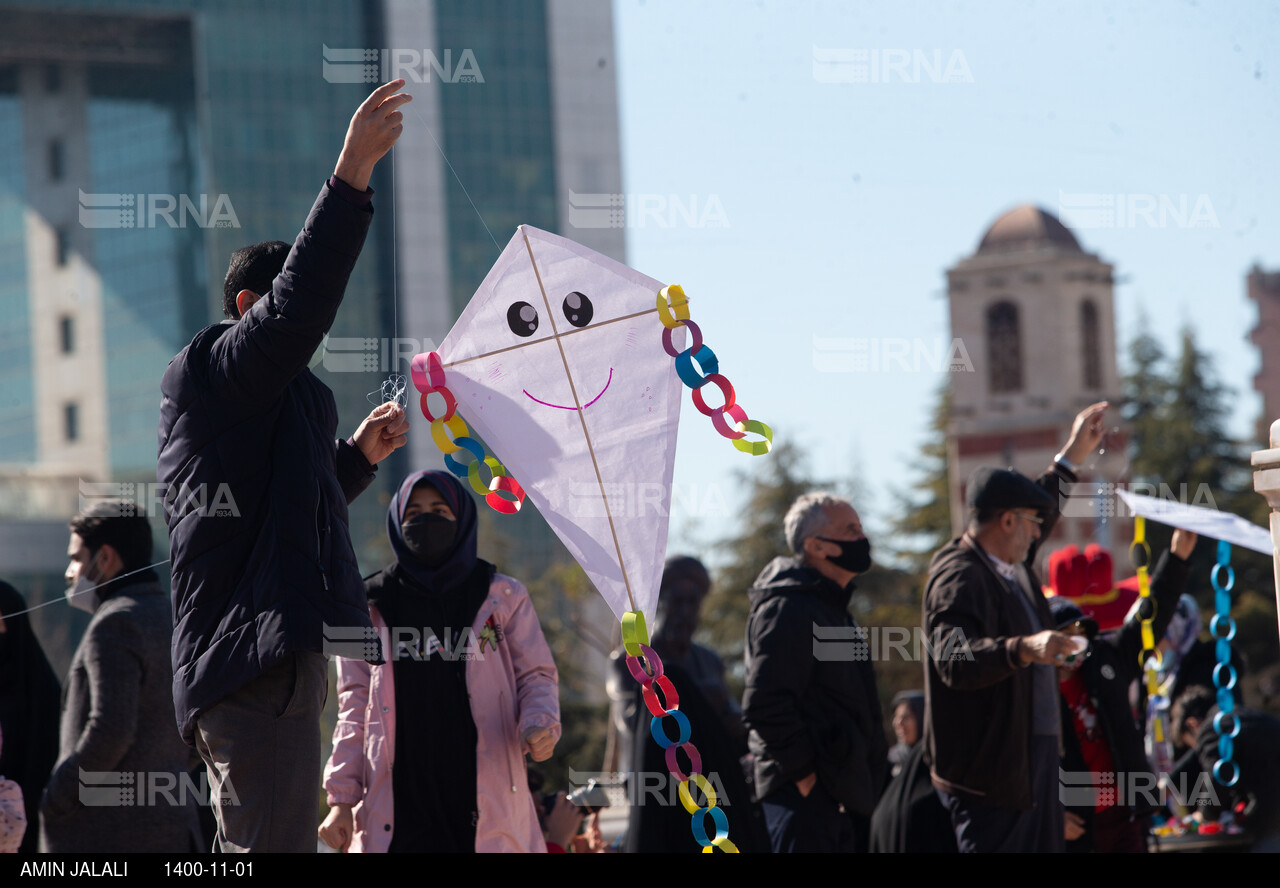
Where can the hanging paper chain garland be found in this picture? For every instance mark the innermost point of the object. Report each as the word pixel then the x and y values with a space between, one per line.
pixel 1226 699
pixel 1149 659
pixel 646 667
pixel 427 371
pixel 673 310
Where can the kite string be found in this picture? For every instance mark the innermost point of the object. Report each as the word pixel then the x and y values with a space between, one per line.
pixel 67 598
pixel 466 193
pixel 394 388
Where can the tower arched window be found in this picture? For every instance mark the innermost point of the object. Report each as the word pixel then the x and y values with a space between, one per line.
pixel 1004 348
pixel 1091 353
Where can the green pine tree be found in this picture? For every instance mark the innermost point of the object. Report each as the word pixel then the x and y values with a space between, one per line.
pixel 922 514
pixel 781 479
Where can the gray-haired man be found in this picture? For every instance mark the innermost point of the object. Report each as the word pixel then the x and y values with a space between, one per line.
pixel 815 725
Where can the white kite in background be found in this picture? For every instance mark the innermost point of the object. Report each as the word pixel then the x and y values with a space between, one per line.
pixel 1207 522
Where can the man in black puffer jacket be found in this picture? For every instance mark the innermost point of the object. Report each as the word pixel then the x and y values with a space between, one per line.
pixel 810 704
pixel 257 508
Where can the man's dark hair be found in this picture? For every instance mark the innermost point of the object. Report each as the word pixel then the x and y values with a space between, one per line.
pixel 1195 702
pixel 120 525
pixel 686 566
pixel 252 268
pixel 978 517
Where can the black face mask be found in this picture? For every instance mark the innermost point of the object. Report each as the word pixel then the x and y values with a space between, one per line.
pixel 430 537
pixel 855 555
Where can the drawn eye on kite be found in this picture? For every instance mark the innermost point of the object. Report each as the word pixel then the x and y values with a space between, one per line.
pixel 522 318
pixel 577 309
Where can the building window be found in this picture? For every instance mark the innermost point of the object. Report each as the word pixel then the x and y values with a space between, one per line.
pixel 53 78
pixel 71 421
pixel 56 160
pixel 67 334
pixel 1092 351
pixel 63 246
pixel 1004 348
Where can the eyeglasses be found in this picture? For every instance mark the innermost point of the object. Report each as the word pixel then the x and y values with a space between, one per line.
pixel 1036 518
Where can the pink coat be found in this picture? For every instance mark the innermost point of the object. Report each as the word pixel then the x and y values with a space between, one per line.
pixel 513 688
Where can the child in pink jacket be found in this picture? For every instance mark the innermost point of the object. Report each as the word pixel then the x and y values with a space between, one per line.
pixel 468 687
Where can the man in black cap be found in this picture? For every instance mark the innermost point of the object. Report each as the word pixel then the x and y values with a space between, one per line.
pixel 992 725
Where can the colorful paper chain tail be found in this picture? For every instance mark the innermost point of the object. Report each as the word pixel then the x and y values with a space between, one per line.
pixel 673 310
pixel 646 668
pixel 1226 699
pixel 1149 659
pixel 427 371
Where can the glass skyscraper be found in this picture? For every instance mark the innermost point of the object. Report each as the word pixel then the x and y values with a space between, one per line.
pixel 145 140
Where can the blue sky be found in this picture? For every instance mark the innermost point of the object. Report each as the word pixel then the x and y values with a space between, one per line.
pixel 845 202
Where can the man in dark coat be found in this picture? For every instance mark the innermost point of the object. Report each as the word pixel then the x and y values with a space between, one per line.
pixel 810 705
pixel 257 581
pixel 121 783
pixel 1100 734
pixel 992 713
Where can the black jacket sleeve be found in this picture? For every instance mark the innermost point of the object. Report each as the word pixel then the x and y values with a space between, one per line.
pixel 354 471
pixel 257 359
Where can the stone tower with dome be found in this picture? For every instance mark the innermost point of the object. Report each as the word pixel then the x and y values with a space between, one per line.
pixel 1035 313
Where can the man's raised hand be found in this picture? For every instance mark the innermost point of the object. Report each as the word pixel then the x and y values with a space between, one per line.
pixel 373 130
pixel 1086 432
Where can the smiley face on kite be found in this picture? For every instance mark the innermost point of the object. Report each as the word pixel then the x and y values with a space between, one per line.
pixel 557 363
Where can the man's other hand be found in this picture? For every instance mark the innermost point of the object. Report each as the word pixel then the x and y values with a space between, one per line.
pixel 382 431
pixel 1048 648
pixel 374 128
pixel 1074 826
pixel 806 785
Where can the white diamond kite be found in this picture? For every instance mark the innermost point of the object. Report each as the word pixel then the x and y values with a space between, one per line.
pixel 558 364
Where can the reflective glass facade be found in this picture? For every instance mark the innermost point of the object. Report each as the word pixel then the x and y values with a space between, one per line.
pixel 17 391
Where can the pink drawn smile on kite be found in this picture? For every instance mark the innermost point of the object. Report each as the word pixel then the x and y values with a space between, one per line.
pixel 584 406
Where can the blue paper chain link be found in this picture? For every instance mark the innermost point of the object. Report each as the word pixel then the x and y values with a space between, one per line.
pixel 1223 628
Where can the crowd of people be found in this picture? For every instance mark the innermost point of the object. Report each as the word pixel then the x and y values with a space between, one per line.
pixel 222 684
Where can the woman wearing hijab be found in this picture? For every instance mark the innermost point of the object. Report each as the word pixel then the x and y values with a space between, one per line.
pixel 30 706
pixel 910 818
pixel 467 687
pixel 908 720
